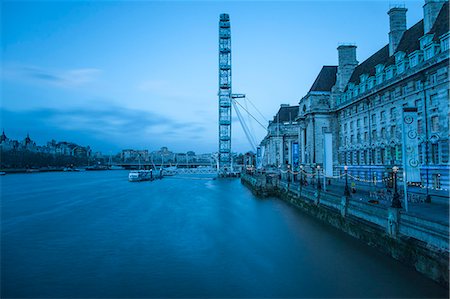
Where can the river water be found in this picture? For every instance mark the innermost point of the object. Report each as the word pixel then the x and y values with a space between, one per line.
pixel 94 234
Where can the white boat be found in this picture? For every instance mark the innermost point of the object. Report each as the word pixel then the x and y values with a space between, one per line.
pixel 140 175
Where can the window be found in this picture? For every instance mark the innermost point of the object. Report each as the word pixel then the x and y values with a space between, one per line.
pixel 389 73
pixel 393 131
pixel 398 152
pixel 351 139
pixel 444 44
pixel 365 120
pixel 372 156
pixel 418 85
pixel 433 99
pixel 435 153
pixel 382 154
pixel 382 116
pixel 358 123
pixel 404 89
pixel 435 123
pixel 444 151
pixel 420 154
pixel 432 78
pixel 419 127
pixel 383 133
pixel 351 126
pixel 414 60
pixel 429 52
pixel 392 153
pixel 374 118
pixel 418 104
pixel 379 78
pixel 393 113
pixel 358 137
pixel 374 135
pixel 366 136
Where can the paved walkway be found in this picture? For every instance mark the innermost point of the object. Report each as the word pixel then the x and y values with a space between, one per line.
pixel 437 210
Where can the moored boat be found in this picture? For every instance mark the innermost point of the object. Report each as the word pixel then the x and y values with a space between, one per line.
pixel 140 175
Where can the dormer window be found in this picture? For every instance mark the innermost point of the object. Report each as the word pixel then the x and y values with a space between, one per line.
pixel 363 78
pixel 362 87
pixel 429 52
pixel 425 40
pixel 415 58
pixel 390 72
pixel 445 42
pixel 399 57
pixel 371 82
pixel 379 68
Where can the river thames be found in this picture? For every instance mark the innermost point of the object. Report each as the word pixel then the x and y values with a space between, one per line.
pixel 94 234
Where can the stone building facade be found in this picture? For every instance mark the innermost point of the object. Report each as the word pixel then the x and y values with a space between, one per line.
pixel 411 71
pixel 282 139
pixel 361 103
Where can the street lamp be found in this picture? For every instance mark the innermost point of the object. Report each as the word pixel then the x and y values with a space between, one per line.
pixel 289 173
pixel 346 190
pixel 396 198
pixel 301 175
pixel 319 186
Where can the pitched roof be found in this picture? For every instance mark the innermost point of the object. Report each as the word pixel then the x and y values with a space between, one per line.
pixel 286 113
pixel 408 44
pixel 326 79
pixel 368 65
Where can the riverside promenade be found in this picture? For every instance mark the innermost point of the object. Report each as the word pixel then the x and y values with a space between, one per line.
pixel 419 238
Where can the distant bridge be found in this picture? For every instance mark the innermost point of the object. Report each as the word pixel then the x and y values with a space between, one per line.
pixel 148 165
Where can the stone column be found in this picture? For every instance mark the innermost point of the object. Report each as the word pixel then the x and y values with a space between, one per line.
pixel 302 145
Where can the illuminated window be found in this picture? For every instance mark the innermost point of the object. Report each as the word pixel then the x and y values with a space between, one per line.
pixel 435 123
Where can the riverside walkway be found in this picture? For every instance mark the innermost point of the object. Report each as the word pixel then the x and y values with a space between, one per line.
pixel 436 210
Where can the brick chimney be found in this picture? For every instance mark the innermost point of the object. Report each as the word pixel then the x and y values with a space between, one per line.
pixel 431 10
pixel 347 64
pixel 397 26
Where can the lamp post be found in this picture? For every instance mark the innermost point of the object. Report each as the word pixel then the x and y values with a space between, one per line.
pixel 301 178
pixel 319 186
pixel 346 190
pixel 396 198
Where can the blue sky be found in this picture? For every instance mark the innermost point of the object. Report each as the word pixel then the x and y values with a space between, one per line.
pixel 143 74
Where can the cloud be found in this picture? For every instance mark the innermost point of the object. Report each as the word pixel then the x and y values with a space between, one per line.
pixel 105 128
pixel 60 78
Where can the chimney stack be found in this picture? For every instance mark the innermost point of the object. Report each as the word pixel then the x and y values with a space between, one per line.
pixel 431 10
pixel 397 26
pixel 347 64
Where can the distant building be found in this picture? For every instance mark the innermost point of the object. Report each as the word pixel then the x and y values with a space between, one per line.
pixel 131 155
pixel 52 148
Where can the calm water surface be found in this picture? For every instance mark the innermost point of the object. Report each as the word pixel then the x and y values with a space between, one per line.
pixel 94 234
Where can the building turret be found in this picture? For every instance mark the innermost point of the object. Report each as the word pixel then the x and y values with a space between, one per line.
pixel 3 138
pixel 431 10
pixel 397 26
